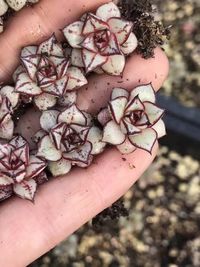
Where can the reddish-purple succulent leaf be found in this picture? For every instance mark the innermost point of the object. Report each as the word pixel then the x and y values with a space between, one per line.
pixel 153 112
pixel 144 140
pixel 25 85
pixel 56 134
pixel 30 64
pixel 73 34
pixel 26 189
pixel 81 130
pixel 50 47
pixel 18 141
pixel 61 64
pixel 5 109
pixel 121 28
pixel 76 79
pixel 81 154
pixel 48 119
pixel 107 11
pixel 60 167
pixel 117 108
pixel 41 178
pixel 72 115
pixel 35 166
pixel 5 192
pixel 112 47
pixel 89 44
pixel 22 153
pixel 134 104
pixel 93 24
pixel 127 127
pixel 112 134
pixel 58 88
pixel 104 116
pixel 92 60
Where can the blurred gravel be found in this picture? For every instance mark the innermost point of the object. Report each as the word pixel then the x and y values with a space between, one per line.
pixel 163 227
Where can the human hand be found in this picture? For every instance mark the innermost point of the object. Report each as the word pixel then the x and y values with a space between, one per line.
pixel 64 204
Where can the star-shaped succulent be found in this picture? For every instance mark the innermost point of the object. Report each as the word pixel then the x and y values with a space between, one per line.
pixel 101 41
pixel 45 74
pixel 132 119
pixel 19 171
pixel 68 138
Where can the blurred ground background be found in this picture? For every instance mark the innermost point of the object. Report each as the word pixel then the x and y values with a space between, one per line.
pixel 163 227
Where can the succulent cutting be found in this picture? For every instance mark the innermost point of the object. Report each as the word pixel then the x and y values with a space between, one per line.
pixel 50 77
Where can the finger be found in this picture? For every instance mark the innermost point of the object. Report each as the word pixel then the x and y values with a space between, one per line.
pixel 34 24
pixel 64 204
pixel 96 93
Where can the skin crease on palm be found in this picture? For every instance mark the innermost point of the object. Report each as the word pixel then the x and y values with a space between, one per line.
pixel 61 206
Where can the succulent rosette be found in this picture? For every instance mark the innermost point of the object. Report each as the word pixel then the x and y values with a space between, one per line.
pixel 45 74
pixel 19 171
pixel 68 138
pixel 132 119
pixel 8 101
pixel 101 41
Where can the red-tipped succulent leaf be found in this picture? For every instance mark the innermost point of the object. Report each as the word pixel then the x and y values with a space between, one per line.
pixel 68 138
pixel 19 171
pixel 132 119
pixel 101 41
pixel 45 74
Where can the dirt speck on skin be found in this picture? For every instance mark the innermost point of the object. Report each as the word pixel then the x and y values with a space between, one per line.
pixel 131 166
